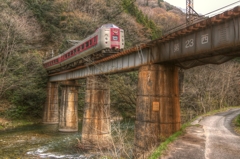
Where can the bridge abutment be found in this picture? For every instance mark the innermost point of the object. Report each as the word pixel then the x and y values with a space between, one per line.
pixel 96 119
pixel 51 109
pixel 157 109
pixel 68 107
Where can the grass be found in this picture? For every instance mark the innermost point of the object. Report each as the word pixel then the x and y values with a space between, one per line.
pixel 237 121
pixel 219 110
pixel 10 124
pixel 237 124
pixel 163 146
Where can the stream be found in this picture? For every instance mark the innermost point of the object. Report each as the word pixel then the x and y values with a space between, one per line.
pixel 45 141
pixel 39 141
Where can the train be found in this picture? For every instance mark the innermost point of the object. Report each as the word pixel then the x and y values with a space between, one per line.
pixel 106 40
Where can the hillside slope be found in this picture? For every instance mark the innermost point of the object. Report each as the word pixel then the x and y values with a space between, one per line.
pixel 30 29
pixel 165 15
pixel 76 19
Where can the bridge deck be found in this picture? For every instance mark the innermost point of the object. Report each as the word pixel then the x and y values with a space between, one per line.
pixel 212 40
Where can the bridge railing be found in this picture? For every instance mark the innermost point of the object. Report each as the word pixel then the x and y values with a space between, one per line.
pixel 197 19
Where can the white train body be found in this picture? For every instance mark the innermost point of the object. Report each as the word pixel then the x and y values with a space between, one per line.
pixel 107 37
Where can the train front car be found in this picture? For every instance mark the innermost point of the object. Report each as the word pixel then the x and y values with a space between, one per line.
pixel 112 38
pixel 103 42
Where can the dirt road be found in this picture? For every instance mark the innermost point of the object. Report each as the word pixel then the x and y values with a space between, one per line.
pixel 211 138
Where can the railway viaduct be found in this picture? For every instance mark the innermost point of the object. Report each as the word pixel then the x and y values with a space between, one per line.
pixel 210 40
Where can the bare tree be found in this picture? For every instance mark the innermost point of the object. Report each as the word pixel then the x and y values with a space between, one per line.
pixel 17 30
pixel 210 87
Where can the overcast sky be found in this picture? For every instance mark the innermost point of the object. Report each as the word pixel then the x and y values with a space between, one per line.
pixel 203 6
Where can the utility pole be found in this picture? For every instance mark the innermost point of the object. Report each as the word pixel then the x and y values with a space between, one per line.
pixel 189 10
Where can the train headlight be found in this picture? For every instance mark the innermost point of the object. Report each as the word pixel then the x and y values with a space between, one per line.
pixel 106 38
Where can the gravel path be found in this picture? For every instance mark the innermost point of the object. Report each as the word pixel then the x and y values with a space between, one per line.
pixel 212 138
pixel 221 141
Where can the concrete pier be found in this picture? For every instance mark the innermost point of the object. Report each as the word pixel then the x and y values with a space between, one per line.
pixel 51 109
pixel 157 109
pixel 68 107
pixel 96 120
pixel 170 113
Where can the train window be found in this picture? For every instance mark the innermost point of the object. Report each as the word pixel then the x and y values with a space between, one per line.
pixel 82 46
pixel 75 50
pixel 87 44
pixel 79 48
pixel 90 42
pixel 71 53
pixel 115 38
pixel 68 54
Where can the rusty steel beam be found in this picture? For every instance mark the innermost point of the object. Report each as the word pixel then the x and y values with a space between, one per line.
pixel 125 52
pixel 205 39
pixel 209 21
pixel 186 30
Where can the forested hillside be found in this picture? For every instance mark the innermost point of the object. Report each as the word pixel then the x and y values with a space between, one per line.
pixel 22 77
pixel 32 29
pixel 164 15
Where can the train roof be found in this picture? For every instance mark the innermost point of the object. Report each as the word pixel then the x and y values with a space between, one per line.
pixel 109 26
